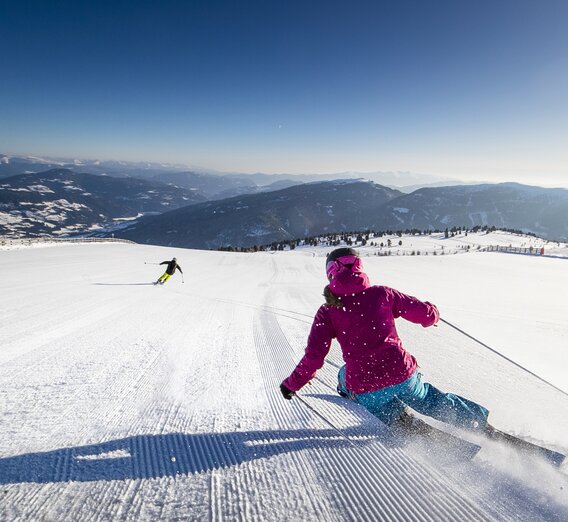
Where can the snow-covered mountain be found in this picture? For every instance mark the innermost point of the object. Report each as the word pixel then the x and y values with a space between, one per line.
pixel 542 211
pixel 220 187
pixel 14 165
pixel 63 202
pixel 349 205
pixel 261 212
pixel 248 220
pixel 120 400
pixel 212 185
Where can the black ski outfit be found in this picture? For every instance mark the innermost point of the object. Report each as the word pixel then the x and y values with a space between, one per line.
pixel 170 270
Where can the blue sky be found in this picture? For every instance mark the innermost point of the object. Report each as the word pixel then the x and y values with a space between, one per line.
pixel 471 90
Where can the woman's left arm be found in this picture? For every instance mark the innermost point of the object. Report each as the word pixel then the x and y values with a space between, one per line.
pixel 414 310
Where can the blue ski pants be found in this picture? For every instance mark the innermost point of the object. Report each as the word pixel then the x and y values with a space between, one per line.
pixel 388 403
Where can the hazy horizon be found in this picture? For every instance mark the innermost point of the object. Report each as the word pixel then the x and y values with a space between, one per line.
pixel 427 177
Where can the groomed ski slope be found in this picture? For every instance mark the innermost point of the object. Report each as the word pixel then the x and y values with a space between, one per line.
pixel 121 400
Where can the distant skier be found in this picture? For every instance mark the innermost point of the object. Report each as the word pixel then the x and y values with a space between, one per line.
pixel 170 270
pixel 378 373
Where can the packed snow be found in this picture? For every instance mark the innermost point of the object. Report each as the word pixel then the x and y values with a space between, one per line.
pixel 121 400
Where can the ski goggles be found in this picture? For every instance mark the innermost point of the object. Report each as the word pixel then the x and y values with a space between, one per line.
pixel 341 264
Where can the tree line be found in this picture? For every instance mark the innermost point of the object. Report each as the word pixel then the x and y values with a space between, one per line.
pixel 366 237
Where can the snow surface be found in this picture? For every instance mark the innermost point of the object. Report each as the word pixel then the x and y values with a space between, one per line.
pixel 121 400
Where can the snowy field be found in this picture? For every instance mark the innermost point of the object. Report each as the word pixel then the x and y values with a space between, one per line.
pixel 120 400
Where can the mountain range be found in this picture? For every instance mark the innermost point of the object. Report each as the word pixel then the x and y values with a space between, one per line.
pixel 299 211
pixel 191 209
pixel 62 202
pixel 352 205
pixel 213 184
pixel 220 187
pixel 542 211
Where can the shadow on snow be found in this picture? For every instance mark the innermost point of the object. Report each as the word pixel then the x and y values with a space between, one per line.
pixel 123 284
pixel 153 456
pixel 170 455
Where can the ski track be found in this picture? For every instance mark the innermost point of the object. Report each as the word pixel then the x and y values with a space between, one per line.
pixel 122 401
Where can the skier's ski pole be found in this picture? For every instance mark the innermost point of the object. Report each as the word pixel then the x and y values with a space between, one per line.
pixel 501 355
pixel 148 263
pixel 335 428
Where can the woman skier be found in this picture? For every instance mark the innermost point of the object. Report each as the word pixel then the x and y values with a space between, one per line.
pixel 378 373
pixel 170 270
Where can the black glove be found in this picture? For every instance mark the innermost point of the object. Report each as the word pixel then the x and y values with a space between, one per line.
pixel 288 394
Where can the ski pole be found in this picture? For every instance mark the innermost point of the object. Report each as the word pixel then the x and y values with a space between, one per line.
pixel 148 263
pixel 503 356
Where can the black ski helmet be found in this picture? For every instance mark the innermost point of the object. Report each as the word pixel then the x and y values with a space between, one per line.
pixel 340 252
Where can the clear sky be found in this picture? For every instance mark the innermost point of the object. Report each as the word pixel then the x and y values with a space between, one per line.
pixel 462 89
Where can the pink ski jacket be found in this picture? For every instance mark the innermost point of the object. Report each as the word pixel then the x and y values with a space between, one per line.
pixel 365 329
